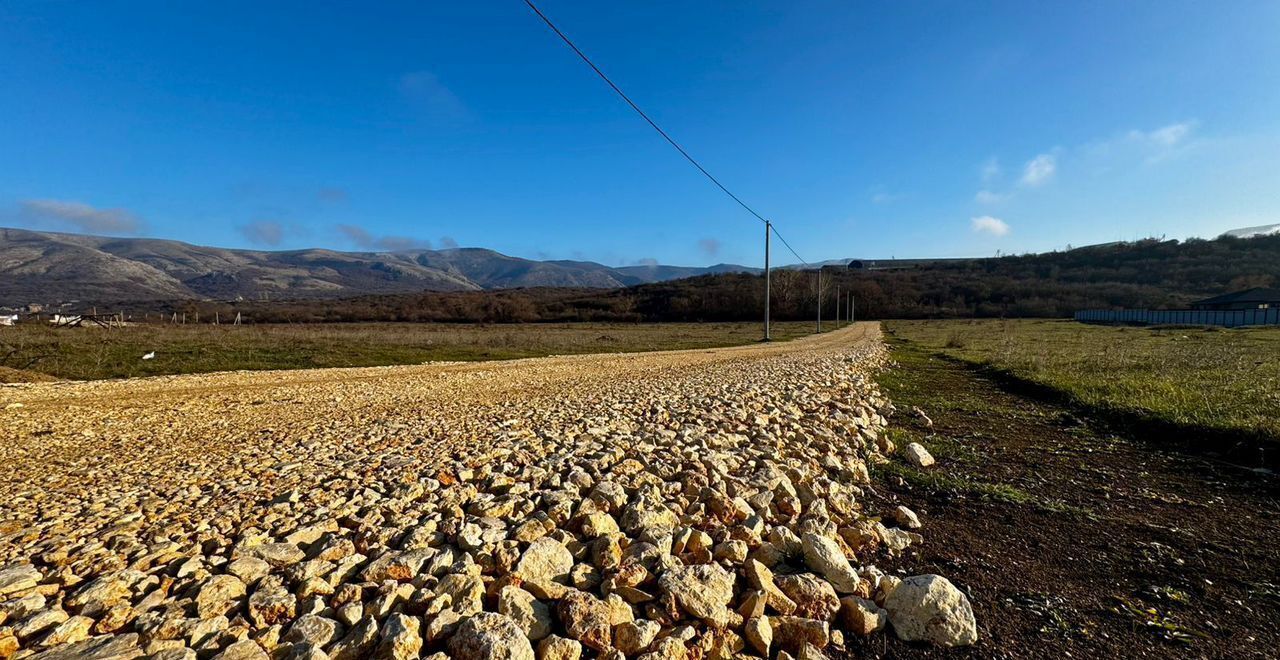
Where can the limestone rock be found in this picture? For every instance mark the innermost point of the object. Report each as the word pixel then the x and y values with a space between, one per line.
pixel 917 455
pixel 400 639
pixel 545 559
pixel 531 615
pixel 824 556
pixel 928 608
pixel 704 591
pixel 488 635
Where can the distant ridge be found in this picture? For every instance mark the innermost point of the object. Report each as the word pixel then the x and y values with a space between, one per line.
pixel 51 267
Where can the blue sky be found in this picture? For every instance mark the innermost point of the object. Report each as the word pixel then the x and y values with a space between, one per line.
pixel 863 129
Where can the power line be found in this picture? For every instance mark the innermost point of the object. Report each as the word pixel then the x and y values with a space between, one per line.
pixel 658 128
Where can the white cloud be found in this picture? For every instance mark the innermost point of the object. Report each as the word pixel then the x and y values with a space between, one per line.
pixel 82 217
pixel 989 225
pixel 1165 136
pixel 1039 170
pixel 988 197
pixel 990 170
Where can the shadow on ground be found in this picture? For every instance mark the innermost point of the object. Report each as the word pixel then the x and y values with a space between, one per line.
pixel 1072 540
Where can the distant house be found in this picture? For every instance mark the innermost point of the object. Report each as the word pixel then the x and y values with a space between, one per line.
pixel 1256 298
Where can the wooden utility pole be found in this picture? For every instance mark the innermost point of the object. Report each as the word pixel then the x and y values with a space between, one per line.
pixel 819 299
pixel 768 228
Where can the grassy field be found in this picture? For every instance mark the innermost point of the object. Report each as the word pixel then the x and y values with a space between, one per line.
pixel 28 352
pixel 1199 379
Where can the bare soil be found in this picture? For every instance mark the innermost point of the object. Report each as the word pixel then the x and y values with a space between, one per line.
pixel 1072 540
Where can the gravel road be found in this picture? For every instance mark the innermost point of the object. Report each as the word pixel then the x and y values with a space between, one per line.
pixel 612 505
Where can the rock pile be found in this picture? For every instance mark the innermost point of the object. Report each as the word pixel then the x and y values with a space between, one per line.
pixel 696 513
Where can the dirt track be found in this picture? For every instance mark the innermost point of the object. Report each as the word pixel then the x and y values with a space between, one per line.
pixel 282 430
pixel 628 504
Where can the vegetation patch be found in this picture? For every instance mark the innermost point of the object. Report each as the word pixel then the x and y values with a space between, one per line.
pixel 34 351
pixel 1223 383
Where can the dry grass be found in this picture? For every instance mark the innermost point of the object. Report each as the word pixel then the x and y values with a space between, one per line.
pixel 95 353
pixel 1218 379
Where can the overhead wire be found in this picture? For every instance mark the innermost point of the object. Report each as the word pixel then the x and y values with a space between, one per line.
pixel 656 127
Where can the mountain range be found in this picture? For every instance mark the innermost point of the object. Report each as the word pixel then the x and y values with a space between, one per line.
pixel 49 267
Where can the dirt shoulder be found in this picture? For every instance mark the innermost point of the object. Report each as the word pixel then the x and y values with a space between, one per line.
pixel 1074 541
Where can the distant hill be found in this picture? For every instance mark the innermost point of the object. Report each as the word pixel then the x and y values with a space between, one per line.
pixel 1152 273
pixel 53 267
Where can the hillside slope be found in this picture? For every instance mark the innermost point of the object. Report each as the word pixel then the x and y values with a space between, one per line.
pixel 1153 274
pixel 55 267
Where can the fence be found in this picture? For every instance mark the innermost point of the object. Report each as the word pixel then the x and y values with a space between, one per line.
pixel 1229 318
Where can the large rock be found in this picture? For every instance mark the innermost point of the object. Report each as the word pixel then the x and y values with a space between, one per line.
pixel 216 595
pixel 761 578
pixel 555 647
pixel 825 556
pixel 360 640
pixel 18 579
pixel 278 555
pixel 792 633
pixel 488 635
pixel 918 456
pixel 928 608
pixel 119 647
pixel 704 591
pixel 862 616
pixel 586 619
pixel 532 615
pixel 546 559
pixel 633 637
pixel 813 596
pixel 400 639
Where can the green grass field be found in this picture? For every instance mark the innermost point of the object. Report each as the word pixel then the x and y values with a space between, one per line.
pixel 30 351
pixel 1216 379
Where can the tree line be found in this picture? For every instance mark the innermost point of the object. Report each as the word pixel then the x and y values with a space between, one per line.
pixel 1155 274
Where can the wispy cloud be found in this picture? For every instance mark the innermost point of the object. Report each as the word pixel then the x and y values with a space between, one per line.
pixel 1039 170
pixel 880 194
pixel 361 238
pixel 425 92
pixel 262 232
pixel 709 246
pixel 989 225
pixel 645 261
pixel 447 243
pixel 1165 136
pixel 332 194
pixel 989 197
pixel 990 170
pixel 80 216
pixel 270 233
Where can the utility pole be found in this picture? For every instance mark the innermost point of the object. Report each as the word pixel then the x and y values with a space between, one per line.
pixel 849 306
pixel 853 309
pixel 768 228
pixel 837 307
pixel 819 299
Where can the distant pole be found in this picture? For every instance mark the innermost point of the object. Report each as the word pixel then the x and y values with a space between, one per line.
pixel 849 306
pixel 853 309
pixel 837 307
pixel 768 228
pixel 819 298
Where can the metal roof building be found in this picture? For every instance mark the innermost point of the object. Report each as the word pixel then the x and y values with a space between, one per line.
pixel 1256 298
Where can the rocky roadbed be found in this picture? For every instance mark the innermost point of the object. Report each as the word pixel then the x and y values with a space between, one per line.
pixel 695 504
